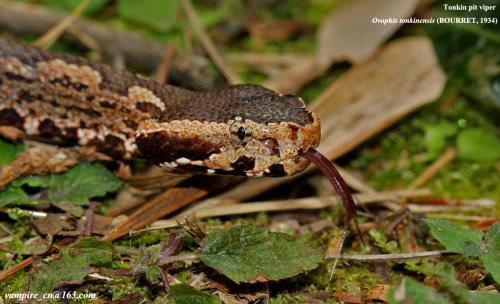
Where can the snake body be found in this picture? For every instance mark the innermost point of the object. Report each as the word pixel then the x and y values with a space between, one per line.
pixel 67 100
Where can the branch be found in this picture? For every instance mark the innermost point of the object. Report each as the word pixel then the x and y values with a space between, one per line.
pixel 190 71
pixel 392 256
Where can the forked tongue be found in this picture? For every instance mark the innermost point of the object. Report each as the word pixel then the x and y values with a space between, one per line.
pixel 343 192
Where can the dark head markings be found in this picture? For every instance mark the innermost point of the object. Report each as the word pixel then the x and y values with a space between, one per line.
pixel 241 133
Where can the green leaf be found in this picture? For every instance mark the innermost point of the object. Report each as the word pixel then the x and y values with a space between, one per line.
pixel 484 298
pixel 491 259
pixel 470 242
pixel 456 238
pixel 77 185
pixel 8 152
pixel 66 270
pixel 249 254
pixel 159 15
pixel 435 136
pixel 96 252
pixel 185 294
pixel 70 5
pixel 492 239
pixel 411 291
pixel 469 53
pixel 81 183
pixel 382 242
pixel 479 145
pixel 447 277
pixel 14 193
pixel 73 266
pixel 492 265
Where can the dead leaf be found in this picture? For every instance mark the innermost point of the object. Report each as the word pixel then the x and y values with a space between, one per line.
pixel 378 292
pixel 318 297
pixel 350 34
pixel 296 77
pixel 51 224
pixel 263 32
pixel 348 298
pixel 230 299
pixel 347 34
pixel 11 133
pixel 165 203
pixel 37 245
pixel 401 78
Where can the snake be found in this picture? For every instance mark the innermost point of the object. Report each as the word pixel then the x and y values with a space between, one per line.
pixel 238 130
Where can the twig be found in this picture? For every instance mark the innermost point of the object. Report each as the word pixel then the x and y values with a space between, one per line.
pixel 258 59
pixel 85 38
pixel 161 74
pixel 464 206
pixel 53 34
pixel 165 203
pixel 89 219
pixel 448 156
pixel 231 76
pixel 303 203
pixel 462 217
pixel 189 70
pixel 181 258
pixel 392 256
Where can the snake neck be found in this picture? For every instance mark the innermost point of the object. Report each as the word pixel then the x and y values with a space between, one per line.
pixel 68 100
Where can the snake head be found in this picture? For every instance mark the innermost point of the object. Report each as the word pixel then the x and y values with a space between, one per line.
pixel 242 130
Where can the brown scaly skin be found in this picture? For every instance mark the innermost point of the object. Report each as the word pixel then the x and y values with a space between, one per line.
pixel 243 129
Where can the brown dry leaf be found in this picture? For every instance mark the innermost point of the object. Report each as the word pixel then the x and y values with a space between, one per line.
pixel 230 299
pixel 370 97
pixel 51 224
pixel 165 203
pixel 296 77
pixel 349 33
pixel 263 32
pixel 11 133
pixel 42 159
pixel 126 199
pixel 37 245
pixel 253 297
pixel 348 298
pixel 401 78
pixel 378 292
pixel 318 297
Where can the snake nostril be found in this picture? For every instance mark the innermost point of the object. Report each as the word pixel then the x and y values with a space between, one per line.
pixel 272 145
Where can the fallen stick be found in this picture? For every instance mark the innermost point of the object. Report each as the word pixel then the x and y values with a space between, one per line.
pixel 390 256
pixel 445 158
pixel 209 46
pixel 281 205
pixel 190 71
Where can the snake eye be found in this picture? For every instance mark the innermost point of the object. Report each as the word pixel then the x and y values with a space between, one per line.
pixel 241 133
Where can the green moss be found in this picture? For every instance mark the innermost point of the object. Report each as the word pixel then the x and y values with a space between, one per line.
pixel 285 298
pixel 14 283
pixel 125 287
pixel 391 159
pixel 146 238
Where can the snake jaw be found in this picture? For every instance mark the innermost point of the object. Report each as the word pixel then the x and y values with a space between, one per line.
pixel 272 149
